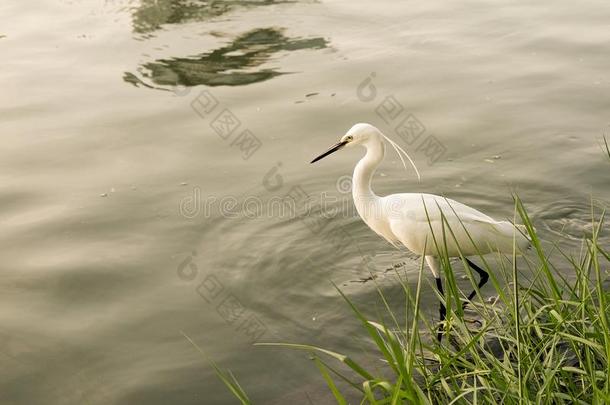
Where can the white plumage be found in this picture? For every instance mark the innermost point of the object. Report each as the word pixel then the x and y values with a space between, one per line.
pixel 415 220
pixel 425 224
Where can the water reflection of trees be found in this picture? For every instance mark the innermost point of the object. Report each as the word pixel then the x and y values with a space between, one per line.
pixel 151 14
pixel 231 65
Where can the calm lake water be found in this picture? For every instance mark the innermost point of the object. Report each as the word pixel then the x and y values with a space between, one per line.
pixel 147 145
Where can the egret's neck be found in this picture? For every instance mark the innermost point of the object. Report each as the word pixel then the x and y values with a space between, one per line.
pixel 363 175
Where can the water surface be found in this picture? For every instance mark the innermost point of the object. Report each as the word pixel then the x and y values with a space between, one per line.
pixel 146 144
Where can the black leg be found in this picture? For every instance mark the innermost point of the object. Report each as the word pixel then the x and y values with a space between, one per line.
pixel 442 311
pixel 483 277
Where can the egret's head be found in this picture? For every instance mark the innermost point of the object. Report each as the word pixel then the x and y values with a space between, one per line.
pixel 359 134
pixel 367 135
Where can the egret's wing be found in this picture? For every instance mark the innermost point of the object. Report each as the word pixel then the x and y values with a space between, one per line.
pixel 431 222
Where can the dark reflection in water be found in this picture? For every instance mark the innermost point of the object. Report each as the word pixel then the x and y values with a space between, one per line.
pixel 151 14
pixel 231 65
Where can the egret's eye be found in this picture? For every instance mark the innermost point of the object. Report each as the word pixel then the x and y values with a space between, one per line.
pixel 349 138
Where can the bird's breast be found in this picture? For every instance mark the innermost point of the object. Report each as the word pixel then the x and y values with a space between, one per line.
pixel 375 217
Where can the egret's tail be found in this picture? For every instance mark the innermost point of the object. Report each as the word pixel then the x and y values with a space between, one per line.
pixel 508 233
pixel 527 243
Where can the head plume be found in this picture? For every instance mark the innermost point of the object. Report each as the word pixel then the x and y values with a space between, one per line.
pixel 400 152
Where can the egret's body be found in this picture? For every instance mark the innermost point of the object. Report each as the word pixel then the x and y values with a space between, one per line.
pixel 426 224
pixel 414 220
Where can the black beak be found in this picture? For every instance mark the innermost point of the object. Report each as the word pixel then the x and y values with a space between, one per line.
pixel 332 149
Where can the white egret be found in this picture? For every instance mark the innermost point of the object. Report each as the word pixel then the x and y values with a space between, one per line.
pixel 426 224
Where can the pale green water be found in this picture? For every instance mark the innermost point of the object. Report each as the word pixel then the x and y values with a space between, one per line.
pixel 97 100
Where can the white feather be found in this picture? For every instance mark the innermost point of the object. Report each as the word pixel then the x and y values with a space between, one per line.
pixel 398 150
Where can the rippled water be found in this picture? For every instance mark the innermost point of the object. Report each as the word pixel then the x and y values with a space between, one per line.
pixel 148 146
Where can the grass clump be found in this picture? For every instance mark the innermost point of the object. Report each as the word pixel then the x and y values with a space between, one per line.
pixel 545 339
